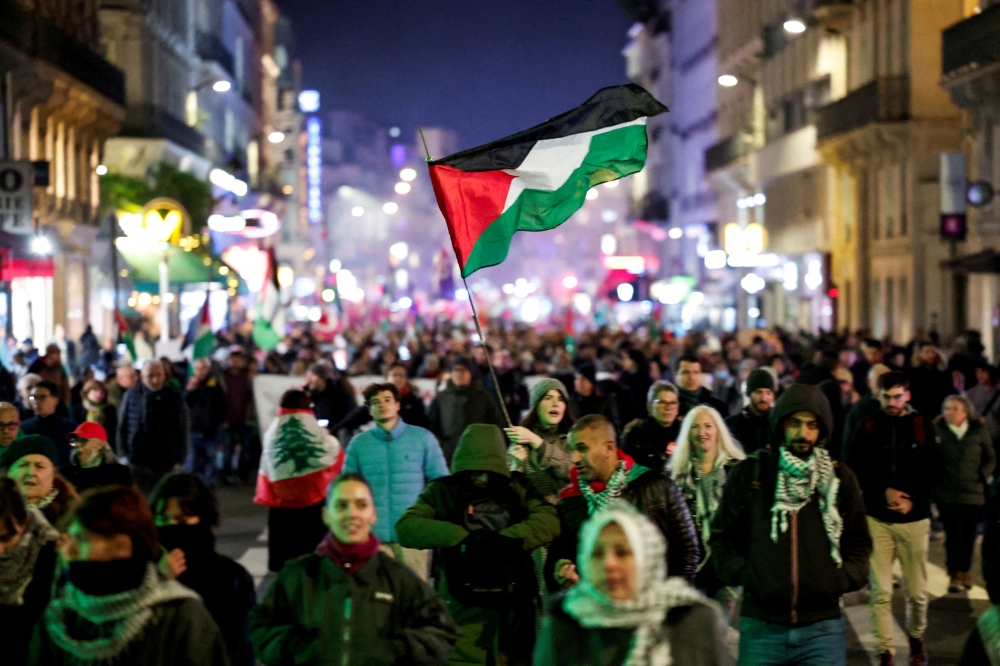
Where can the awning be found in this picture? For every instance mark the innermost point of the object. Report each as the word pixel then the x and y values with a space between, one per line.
pixel 987 261
pixel 183 267
pixel 17 260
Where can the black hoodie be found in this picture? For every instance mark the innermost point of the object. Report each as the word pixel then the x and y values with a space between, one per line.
pixel 795 580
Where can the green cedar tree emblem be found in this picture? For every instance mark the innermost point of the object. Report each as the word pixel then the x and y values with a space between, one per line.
pixel 297 445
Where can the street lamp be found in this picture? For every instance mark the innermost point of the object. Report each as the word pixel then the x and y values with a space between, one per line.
pixel 794 26
pixel 728 80
pixel 276 137
pixel 41 245
pixel 222 86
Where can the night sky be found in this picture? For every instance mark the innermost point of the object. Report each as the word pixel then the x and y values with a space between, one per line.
pixel 485 68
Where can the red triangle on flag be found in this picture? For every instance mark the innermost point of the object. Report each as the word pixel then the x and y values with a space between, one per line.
pixel 470 201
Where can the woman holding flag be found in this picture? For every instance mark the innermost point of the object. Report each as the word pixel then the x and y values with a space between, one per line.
pixel 299 460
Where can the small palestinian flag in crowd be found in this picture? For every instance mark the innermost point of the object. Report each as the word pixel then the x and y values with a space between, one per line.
pixel 269 318
pixel 536 179
pixel 298 461
pixel 125 335
pixel 199 334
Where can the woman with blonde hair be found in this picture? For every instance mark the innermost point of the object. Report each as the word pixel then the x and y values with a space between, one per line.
pixel 705 452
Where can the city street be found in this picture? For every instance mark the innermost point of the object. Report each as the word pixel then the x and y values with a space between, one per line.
pixel 950 618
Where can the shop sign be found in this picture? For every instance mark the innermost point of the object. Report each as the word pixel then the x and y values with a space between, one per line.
pixel 15 197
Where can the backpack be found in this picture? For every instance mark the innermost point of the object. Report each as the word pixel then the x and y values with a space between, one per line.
pixel 487 570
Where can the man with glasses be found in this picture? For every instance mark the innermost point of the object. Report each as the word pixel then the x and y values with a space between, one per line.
pixel 751 427
pixel 890 452
pixel 398 460
pixel 47 422
pixel 651 441
pixel 10 424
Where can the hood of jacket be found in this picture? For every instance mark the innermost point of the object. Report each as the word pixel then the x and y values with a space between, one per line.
pixel 801 398
pixel 481 448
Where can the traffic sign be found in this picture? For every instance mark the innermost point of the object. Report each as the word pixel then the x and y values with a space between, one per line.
pixel 15 197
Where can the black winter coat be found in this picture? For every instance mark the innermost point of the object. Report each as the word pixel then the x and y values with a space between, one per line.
pixel 894 452
pixel 751 431
pixel 180 632
pixel 928 389
pixel 455 408
pixel 656 495
pixel 207 406
pixel 228 593
pixel 153 428
pixel 744 553
pixel 991 543
pixel 650 444
pixel 702 396
pixel 695 633
pixel 19 621
pixel 105 474
pixel 963 464
pixel 333 403
pixel 383 614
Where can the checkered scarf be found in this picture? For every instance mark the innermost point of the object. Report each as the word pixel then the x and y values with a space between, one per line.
pixel 597 500
pixel 646 613
pixel 798 479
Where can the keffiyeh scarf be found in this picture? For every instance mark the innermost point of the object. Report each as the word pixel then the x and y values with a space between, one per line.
pixel 119 618
pixel 706 492
pixel 17 564
pixel 597 500
pixel 798 479
pixel 592 608
pixel 95 412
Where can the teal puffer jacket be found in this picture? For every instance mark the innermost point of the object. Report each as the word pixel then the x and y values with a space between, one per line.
pixel 398 464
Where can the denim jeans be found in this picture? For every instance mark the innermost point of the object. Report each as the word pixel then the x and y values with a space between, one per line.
pixel 817 644
pixel 201 457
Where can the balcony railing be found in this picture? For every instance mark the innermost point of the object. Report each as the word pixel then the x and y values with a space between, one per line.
pixel 42 39
pixel 972 43
pixel 148 121
pixel 212 49
pixel 727 151
pixel 883 100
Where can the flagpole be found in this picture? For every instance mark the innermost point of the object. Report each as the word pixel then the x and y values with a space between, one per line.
pixel 486 352
pixel 475 318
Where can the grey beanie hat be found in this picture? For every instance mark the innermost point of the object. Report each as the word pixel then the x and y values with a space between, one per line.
pixel 759 379
pixel 539 390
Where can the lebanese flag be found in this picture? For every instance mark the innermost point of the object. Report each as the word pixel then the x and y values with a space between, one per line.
pixel 535 179
pixel 298 461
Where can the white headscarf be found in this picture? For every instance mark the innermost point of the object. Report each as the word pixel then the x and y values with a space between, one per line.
pixel 657 593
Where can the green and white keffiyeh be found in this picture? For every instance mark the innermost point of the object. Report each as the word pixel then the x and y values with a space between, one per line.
pixel 119 618
pixel 657 594
pixel 597 500
pixel 798 479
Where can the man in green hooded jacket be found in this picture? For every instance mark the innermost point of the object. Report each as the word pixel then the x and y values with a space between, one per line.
pixel 483 506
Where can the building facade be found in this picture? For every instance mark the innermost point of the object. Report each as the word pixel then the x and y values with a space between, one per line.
pixel 65 101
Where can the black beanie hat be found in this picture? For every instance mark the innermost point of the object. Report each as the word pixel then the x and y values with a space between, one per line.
pixel 760 379
pixel 588 371
pixel 26 446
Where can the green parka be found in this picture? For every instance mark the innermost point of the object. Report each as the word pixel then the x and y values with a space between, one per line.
pixel 315 613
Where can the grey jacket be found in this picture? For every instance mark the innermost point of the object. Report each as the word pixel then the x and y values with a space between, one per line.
pixel 963 464
pixel 457 407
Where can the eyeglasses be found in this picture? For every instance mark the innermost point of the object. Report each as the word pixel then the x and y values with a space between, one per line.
pixel 666 403
pixel 40 398
pixel 10 424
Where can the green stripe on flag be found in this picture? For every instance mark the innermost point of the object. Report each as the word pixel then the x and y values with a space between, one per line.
pixel 612 155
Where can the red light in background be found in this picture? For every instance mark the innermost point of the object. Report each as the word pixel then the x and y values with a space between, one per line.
pixel 833 293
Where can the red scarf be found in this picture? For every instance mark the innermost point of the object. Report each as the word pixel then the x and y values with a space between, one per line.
pixel 348 556
pixel 573 489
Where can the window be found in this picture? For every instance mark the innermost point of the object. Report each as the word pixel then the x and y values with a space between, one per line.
pixel 889 309
pixel 903 225
pixel 878 316
pixel 889 199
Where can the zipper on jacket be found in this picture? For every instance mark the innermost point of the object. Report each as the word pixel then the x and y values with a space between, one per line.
pixel 795 567
pixel 346 636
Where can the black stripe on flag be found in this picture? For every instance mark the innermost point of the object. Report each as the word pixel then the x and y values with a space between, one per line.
pixel 608 107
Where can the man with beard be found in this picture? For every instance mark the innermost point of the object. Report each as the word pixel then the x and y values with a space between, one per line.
pixel 891 451
pixel 692 393
pixel 791 530
pixel 751 427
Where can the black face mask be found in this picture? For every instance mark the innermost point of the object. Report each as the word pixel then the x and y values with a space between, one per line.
pixel 194 540
pixel 100 579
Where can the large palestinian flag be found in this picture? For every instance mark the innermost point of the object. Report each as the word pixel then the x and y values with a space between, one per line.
pixel 535 179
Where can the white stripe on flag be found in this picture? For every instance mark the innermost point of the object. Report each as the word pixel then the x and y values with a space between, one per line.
pixel 551 161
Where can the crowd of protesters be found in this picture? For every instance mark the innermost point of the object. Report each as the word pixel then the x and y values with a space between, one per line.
pixel 613 498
